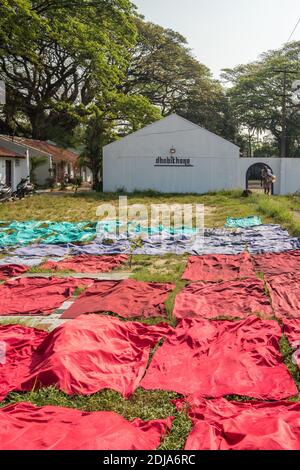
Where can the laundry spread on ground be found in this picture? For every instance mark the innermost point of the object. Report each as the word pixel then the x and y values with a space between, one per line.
pixel 21 261
pixel 87 264
pixel 37 296
pixel 128 298
pixel 292 332
pixel 215 268
pixel 260 239
pixel 11 270
pixel 106 247
pixel 87 355
pixel 24 426
pixel 285 294
pixel 24 233
pixel 43 251
pixel 218 358
pixel 243 222
pixel 272 264
pixel 17 346
pixel 228 425
pixel 235 299
pixel 118 229
pixel 269 238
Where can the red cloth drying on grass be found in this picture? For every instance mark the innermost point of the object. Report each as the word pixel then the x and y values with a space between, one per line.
pixel 223 425
pixel 36 295
pixel 236 299
pixel 87 264
pixel 24 426
pixel 217 268
pixel 89 354
pixel 128 298
pixel 292 330
pixel 218 358
pixel 277 263
pixel 285 294
pixel 17 344
pixel 11 270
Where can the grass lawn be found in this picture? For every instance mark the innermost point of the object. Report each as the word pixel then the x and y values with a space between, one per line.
pixel 151 404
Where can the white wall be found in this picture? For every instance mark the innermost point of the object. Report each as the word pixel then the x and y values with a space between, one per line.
pixel 245 163
pixel 18 171
pixel 130 162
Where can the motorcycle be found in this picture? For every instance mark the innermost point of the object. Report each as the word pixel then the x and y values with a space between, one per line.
pixel 5 192
pixel 24 188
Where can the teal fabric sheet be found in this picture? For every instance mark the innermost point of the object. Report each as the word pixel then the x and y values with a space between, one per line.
pixel 24 233
pixel 246 222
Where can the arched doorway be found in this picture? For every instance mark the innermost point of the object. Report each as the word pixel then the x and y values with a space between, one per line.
pixel 253 177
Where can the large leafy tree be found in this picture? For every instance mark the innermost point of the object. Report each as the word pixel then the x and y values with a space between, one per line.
pixel 163 69
pixel 261 97
pixel 57 58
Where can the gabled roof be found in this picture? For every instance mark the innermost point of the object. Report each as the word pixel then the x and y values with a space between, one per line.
pixel 58 153
pixel 9 153
pixel 185 126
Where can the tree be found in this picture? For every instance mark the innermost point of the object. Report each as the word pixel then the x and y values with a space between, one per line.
pixel 113 117
pixel 35 163
pixel 56 57
pixel 163 70
pixel 261 97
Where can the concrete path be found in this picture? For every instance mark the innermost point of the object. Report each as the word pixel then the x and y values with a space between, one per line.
pixel 54 320
pixel 99 276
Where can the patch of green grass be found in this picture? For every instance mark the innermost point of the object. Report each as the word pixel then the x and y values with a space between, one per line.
pixel 30 322
pixel 279 210
pixel 287 353
pixel 80 207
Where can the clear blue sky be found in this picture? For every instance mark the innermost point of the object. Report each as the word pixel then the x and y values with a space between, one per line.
pixel 225 33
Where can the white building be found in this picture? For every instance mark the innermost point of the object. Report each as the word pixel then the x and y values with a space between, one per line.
pixel 174 155
pixel 15 155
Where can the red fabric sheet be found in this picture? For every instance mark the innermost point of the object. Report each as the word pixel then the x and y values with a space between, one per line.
pixel 87 264
pixel 218 358
pixel 128 298
pixel 17 344
pixel 277 263
pixel 235 299
pixel 37 296
pixel 24 426
pixel 285 294
pixel 216 268
pixel 89 354
pixel 292 330
pixel 11 270
pixel 223 425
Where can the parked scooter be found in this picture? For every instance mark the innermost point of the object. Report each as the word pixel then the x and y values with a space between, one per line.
pixel 24 188
pixel 5 192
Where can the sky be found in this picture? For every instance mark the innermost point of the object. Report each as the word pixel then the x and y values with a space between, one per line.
pixel 225 33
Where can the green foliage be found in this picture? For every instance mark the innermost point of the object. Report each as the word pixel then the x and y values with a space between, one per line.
pixel 163 69
pixel 35 163
pixel 73 52
pixel 256 96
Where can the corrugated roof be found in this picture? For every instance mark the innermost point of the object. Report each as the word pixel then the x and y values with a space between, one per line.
pixel 58 153
pixel 9 153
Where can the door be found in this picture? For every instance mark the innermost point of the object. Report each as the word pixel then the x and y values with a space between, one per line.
pixel 8 172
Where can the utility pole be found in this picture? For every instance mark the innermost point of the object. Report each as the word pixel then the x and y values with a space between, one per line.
pixel 283 147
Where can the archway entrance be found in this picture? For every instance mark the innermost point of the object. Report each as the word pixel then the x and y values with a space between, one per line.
pixel 253 178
